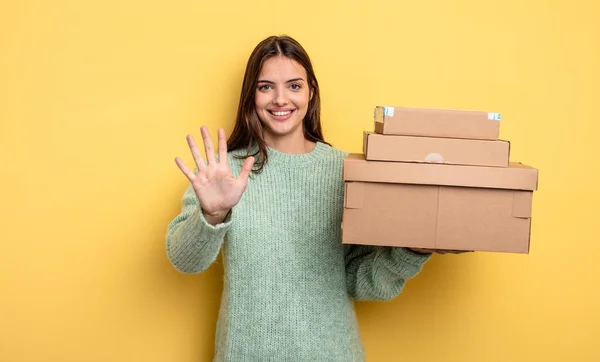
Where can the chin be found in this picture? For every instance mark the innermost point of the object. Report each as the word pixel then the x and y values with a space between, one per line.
pixel 278 129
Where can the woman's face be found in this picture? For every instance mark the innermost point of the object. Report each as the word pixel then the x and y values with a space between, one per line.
pixel 282 97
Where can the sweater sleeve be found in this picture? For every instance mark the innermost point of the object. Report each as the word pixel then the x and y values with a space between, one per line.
pixel 192 243
pixel 380 272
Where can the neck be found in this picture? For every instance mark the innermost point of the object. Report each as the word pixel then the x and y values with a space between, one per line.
pixel 291 144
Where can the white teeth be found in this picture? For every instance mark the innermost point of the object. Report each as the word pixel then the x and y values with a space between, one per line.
pixel 282 113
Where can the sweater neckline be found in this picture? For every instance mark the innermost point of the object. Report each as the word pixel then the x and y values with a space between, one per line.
pixel 296 159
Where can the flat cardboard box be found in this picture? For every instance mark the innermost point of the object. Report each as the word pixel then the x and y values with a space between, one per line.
pixel 515 177
pixel 409 208
pixel 445 123
pixel 454 151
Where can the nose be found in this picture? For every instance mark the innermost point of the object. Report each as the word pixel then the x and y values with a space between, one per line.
pixel 280 98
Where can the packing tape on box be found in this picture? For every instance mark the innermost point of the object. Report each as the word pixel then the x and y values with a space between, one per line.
pixel 493 116
pixel 434 158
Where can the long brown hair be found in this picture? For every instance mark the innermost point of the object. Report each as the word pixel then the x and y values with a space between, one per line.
pixel 248 130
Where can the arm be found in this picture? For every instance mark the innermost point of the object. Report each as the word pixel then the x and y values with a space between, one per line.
pixel 192 243
pixel 195 236
pixel 380 272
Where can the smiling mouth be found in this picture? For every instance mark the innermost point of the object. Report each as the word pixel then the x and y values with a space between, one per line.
pixel 281 113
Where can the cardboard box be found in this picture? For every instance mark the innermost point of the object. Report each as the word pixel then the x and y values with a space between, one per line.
pixel 455 151
pixel 438 206
pixel 446 123
pixel 515 177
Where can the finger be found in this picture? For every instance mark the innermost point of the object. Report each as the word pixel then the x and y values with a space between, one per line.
pixel 195 152
pixel 246 169
pixel 208 146
pixel 186 171
pixel 222 147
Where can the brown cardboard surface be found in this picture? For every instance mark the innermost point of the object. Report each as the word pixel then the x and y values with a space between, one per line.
pixel 516 177
pixel 379 147
pixel 446 123
pixel 438 217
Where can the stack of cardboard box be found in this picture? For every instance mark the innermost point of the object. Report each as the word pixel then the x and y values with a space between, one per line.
pixel 439 179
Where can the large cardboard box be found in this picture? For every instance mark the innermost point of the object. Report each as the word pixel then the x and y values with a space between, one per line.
pixel 455 151
pixel 438 206
pixel 447 123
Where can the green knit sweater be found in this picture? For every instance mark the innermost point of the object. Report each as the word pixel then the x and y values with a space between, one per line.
pixel 289 282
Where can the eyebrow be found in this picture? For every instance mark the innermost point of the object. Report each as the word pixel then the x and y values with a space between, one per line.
pixel 289 81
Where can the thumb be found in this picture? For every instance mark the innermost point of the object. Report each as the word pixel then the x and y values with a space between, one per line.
pixel 246 169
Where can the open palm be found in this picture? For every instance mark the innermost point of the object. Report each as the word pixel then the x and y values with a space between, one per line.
pixel 216 188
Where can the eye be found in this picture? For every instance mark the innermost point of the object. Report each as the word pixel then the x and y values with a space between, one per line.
pixel 263 87
pixel 296 86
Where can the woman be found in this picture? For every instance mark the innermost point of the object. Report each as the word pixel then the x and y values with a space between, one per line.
pixel 272 202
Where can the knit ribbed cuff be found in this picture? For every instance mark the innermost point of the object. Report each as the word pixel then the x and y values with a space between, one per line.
pixel 207 231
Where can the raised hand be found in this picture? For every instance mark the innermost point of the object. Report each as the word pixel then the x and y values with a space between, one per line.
pixel 215 186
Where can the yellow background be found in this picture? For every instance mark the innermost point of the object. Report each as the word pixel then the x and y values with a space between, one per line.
pixel 96 99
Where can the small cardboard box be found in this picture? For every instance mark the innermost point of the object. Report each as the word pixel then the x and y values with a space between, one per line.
pixel 446 123
pixel 454 151
pixel 438 206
